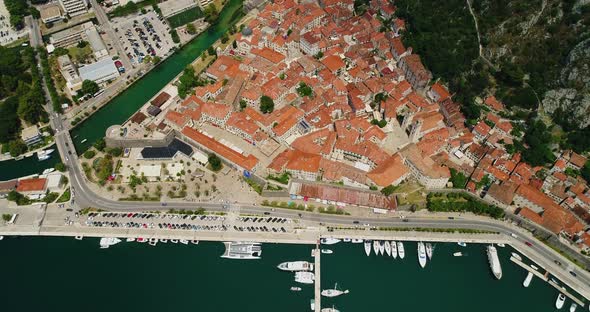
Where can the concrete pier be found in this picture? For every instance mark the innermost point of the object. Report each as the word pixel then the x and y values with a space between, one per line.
pixel 561 289
pixel 317 284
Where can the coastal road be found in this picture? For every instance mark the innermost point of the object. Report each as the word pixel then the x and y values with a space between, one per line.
pixel 103 19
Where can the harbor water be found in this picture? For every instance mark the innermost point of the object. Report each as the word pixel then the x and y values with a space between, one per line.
pixel 63 274
pixel 128 102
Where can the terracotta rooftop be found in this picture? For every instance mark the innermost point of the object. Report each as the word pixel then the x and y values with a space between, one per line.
pixel 31 185
pixel 389 171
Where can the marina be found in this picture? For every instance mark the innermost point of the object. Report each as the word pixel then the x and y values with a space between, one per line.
pixel 225 275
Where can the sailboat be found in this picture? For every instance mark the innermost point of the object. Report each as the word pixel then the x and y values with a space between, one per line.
pixel 368 247
pixel 387 247
pixel 376 247
pixel 335 292
pixel 400 250
pixel 429 250
pixel 394 249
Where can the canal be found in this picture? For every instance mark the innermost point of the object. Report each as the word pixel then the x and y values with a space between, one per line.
pixel 125 104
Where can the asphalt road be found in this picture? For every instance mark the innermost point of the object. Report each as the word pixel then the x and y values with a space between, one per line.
pixel 106 27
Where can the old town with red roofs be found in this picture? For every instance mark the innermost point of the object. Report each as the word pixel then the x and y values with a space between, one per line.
pixel 374 117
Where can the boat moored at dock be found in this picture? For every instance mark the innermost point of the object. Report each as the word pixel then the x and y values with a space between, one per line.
pixel 421 254
pixel 294 266
pixel 304 277
pixel 400 250
pixel 573 307
pixel 494 261
pixel 429 250
pixel 367 248
pixel 394 249
pixel 560 301
pixel 242 250
pixel 106 242
pixel 387 247
pixel 329 241
pixel 527 280
pixel 334 292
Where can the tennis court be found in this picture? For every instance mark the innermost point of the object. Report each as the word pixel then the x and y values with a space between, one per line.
pixel 185 17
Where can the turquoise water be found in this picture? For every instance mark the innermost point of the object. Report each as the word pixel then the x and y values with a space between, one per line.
pixel 62 274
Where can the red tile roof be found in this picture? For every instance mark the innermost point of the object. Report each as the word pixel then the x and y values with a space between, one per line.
pixel 389 171
pixel 31 185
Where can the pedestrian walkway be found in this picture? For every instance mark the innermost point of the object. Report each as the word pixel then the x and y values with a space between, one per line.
pixel 318 283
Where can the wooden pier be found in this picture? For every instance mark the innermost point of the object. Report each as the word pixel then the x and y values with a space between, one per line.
pixel 317 284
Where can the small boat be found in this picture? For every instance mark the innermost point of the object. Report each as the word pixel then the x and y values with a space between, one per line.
pixel 429 250
pixel 48 170
pixel 527 280
pixel 153 243
pixel 141 240
pixel 130 239
pixel 42 156
pixel 327 251
pixel 376 247
pixel 381 248
pixel 335 292
pixel 421 254
pixel 1 237
pixel 294 266
pixel 534 267
pixel 184 241
pixel 106 242
pixel 356 241
pixel 573 307
pixel 304 277
pixel 560 301
pixel 49 151
pixel 174 241
pixel 194 242
pixel 368 248
pixel 387 247
pixel 329 241
pixel 516 256
pixel 332 309
pixel 500 245
pixel 462 244
pixel 163 241
pixel 312 304
pixel 400 250
pixel 394 249
pixel 346 240
pixel 83 141
pixel 458 254
pixel 295 288
pixel 78 237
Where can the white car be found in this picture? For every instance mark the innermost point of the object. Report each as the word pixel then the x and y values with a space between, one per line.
pixel 513 235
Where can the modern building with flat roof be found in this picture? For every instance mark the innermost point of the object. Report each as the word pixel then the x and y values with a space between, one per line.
pixel 31 135
pixel 51 13
pixel 74 7
pixel 70 74
pixel 99 72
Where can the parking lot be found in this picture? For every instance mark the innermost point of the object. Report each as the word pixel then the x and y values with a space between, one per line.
pixel 144 35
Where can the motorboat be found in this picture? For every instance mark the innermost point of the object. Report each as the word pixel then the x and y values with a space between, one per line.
pixel 527 280
pixel 295 288
pixel 242 250
pixel 494 261
pixel 294 266
pixel 183 241
pixel 368 248
pixel 153 242
pixel 573 307
pixel 400 250
pixel 356 240
pixel 458 254
pixel 79 237
pixel 48 170
pixel 141 240
pixel 327 251
pixel 41 156
pixel 304 277
pixel 534 267
pixel 387 247
pixel 164 241
pixel 394 249
pixel 83 141
pixel 346 240
pixel 194 242
pixel 335 292
pixel 462 244
pixel 130 239
pixel 421 254
pixel 516 256
pixel 429 250
pixel 500 245
pixel 312 304
pixel 106 242
pixel 174 241
pixel 376 247
pixel 329 241
pixel 332 309
pixel 381 248
pixel 560 301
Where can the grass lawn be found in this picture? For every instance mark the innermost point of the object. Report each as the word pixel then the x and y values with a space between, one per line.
pixel 411 199
pixel 65 196
pixel 185 17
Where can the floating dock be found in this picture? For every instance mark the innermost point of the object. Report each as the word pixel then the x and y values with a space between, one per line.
pixel 317 284
pixel 545 278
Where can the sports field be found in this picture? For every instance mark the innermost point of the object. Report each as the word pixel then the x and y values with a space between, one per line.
pixel 185 17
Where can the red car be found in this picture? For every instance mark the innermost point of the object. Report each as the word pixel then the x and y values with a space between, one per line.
pixel 528 244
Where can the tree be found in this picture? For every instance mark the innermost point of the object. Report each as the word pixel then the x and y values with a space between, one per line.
pixel 89 87
pixel 215 162
pixel 60 167
pixel 60 51
pixel 304 90
pixel 266 104
pixel 234 44
pixel 224 38
pixel 115 151
pixel 82 44
pixel 319 55
pixel 458 179
pixel 17 147
pixel 89 154
pixel 191 29
pixel 211 51
pixel 156 59
pixel 174 35
pixel 585 171
pixel 100 144
pixel 243 104
pixel 388 190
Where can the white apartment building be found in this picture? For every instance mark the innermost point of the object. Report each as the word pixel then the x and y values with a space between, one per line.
pixel 74 7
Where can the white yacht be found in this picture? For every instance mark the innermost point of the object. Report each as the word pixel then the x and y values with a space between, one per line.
pixel 130 239
pixel 163 240
pixel 295 288
pixel 174 241
pixel 312 304
pixel 329 241
pixel 500 245
pixel 462 244
pixel 335 292
pixel 458 254
pixel 387 247
pixel 48 170
pixel 429 250
pixel 296 266
pixel 346 240
pixel 527 280
pixel 394 249
pixel 376 247
pixel 573 307
pixel 304 277
pixel 421 254
pixel 183 241
pixel 381 248
pixel 368 248
pixel 194 242
pixel 327 251
pixel 560 301
pixel 494 261
pixel 106 242
pixel 332 309
pixel 356 240
pixel 153 242
pixel 79 237
pixel 400 250
pixel 242 250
